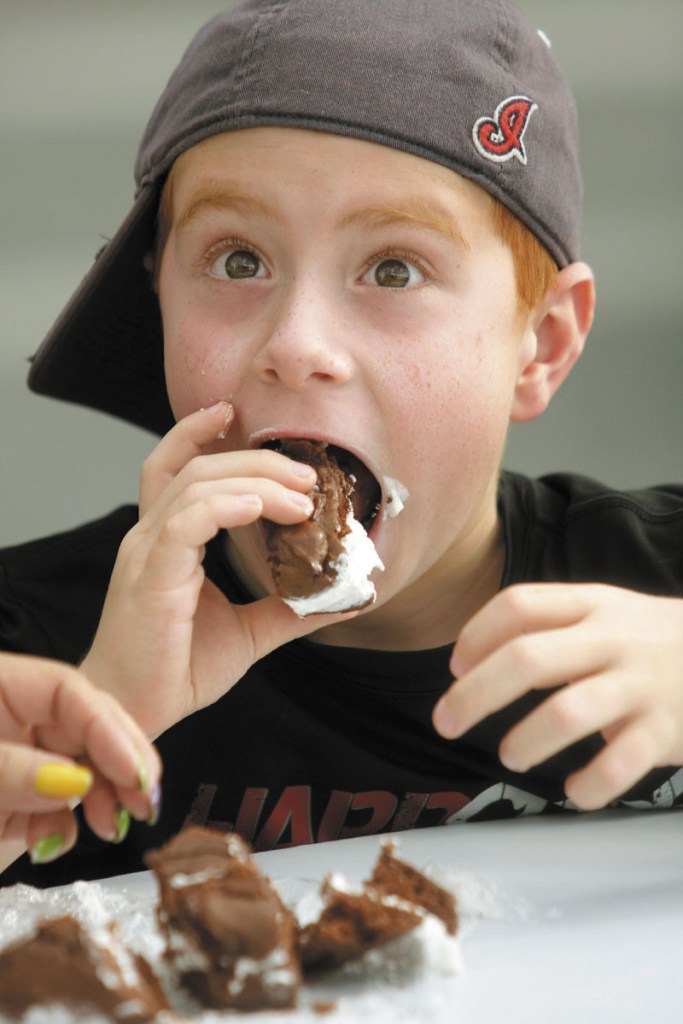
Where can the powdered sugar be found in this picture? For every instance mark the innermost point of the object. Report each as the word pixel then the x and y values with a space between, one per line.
pixel 409 979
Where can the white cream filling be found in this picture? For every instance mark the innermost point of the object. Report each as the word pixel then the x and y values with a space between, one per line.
pixel 273 972
pixel 182 881
pixel 352 586
pixel 187 956
pixel 338 883
pixel 397 495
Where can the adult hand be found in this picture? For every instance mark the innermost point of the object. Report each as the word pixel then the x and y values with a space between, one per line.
pixel 62 741
pixel 616 656
pixel 169 642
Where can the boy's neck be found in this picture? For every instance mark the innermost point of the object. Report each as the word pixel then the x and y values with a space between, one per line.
pixel 432 611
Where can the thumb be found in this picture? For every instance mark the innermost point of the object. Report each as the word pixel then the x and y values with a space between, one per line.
pixel 272 623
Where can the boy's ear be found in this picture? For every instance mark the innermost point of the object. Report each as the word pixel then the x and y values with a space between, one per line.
pixel 554 341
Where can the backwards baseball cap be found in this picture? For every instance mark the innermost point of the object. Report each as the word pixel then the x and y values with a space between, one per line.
pixel 468 84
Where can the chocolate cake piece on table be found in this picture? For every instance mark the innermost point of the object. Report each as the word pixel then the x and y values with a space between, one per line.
pixel 395 877
pixel 396 899
pixel 63 963
pixel 229 937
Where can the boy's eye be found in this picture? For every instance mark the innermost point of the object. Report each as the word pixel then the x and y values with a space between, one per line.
pixel 394 273
pixel 237 264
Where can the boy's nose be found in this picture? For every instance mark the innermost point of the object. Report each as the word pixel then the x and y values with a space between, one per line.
pixel 301 350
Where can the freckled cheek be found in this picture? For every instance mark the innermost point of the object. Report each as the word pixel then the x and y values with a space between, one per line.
pixel 199 364
pixel 453 414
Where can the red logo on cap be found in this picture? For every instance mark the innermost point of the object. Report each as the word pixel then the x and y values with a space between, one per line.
pixel 502 136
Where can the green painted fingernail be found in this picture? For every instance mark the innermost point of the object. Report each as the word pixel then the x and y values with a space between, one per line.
pixel 48 848
pixel 122 819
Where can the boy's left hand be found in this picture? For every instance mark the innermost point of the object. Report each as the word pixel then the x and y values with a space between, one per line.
pixel 616 656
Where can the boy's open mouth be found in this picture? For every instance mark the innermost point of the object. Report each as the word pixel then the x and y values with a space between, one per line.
pixel 366 496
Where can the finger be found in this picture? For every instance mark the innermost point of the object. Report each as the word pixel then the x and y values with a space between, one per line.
pixel 35 781
pixel 49 836
pixel 178 552
pixel 142 800
pixel 279 503
pixel 105 813
pixel 283 484
pixel 525 608
pixel 185 445
pixel 183 442
pixel 257 462
pixel 137 784
pixel 528 662
pixel 569 715
pixel 13 826
pixel 627 758
pixel 27 688
pixel 271 623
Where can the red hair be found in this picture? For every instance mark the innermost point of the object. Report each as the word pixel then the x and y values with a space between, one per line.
pixel 535 269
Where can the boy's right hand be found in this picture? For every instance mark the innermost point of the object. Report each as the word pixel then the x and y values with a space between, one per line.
pixel 169 642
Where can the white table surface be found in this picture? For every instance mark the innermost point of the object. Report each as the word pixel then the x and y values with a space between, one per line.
pixel 576 919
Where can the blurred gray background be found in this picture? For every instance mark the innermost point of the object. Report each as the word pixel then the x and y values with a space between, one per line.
pixel 78 79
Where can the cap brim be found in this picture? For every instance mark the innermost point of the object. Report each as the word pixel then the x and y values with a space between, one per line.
pixel 106 349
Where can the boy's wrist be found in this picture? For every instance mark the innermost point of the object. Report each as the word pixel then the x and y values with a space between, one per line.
pixel 103 677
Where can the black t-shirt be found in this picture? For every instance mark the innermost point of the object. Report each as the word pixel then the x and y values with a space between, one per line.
pixel 318 743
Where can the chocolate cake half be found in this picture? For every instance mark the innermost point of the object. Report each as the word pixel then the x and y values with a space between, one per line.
pixel 396 900
pixel 324 563
pixel 228 935
pixel 351 924
pixel 392 876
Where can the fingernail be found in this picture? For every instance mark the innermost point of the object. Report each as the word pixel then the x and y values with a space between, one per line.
pixel 300 500
pixel 154 793
pixel 143 774
pixel 122 820
pixel 62 781
pixel 222 404
pixel 48 848
pixel 444 723
pixel 155 803
pixel 510 762
pixel 302 469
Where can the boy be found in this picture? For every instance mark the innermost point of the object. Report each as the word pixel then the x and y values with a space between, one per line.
pixel 358 223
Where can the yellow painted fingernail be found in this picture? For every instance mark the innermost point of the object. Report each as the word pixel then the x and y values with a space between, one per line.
pixel 62 781
pixel 47 848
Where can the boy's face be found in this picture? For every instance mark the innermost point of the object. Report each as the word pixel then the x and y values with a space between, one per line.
pixel 337 289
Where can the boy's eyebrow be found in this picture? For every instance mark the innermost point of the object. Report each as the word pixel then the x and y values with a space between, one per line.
pixel 413 213
pixel 220 196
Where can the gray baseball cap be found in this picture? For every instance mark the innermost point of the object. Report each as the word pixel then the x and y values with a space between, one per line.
pixel 469 84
